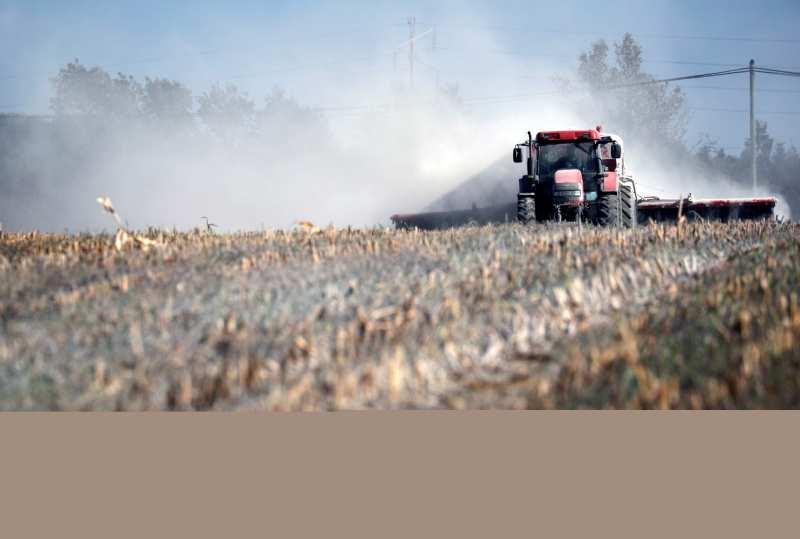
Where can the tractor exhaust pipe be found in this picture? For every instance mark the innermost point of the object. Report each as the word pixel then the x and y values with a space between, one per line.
pixel 530 154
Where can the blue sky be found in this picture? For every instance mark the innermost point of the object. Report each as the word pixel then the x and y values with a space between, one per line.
pixel 326 53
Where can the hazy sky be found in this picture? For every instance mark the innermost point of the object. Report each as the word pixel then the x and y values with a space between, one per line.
pixel 331 54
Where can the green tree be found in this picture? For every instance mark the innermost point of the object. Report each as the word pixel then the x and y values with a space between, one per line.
pixel 778 165
pixel 283 122
pixel 643 111
pixel 167 102
pixel 226 111
pixel 79 90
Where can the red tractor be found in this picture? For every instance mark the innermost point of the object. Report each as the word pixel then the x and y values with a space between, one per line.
pixel 573 175
pixel 580 175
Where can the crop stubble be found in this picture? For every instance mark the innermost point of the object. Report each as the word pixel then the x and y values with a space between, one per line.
pixel 702 315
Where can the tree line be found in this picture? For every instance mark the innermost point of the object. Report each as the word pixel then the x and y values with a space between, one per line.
pixel 657 114
pixel 94 97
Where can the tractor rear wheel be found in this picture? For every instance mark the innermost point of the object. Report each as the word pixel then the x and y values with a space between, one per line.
pixel 628 205
pixel 617 209
pixel 526 209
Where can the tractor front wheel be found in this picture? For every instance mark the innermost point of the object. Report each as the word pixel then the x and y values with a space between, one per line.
pixel 617 209
pixel 526 209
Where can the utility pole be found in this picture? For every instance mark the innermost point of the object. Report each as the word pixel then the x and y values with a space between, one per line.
pixel 753 144
pixel 412 29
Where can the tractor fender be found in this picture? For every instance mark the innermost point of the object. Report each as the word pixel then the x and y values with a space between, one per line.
pixel 610 182
pixel 526 184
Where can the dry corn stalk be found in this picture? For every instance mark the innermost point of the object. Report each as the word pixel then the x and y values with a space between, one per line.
pixel 308 226
pixel 105 202
pixel 681 218
pixel 123 236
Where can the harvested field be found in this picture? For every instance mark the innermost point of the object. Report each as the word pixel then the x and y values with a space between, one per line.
pixel 703 315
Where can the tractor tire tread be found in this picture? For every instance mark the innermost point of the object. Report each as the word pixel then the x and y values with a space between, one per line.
pixel 526 210
pixel 617 209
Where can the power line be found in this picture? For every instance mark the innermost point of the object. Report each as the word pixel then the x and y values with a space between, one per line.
pixel 305 38
pixel 776 71
pixel 426 64
pixel 769 71
pixel 686 77
pixel 773 71
pixel 414 38
pixel 619 85
pixel 529 54
pixel 689 63
pixel 638 34
pixel 257 74
pixel 713 109
pixel 719 38
pixel 684 62
pixel 220 51
pixel 517 97
pixel 314 67
pixel 654 81
pixel 742 89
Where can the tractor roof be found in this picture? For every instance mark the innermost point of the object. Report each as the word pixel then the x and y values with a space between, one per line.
pixel 552 136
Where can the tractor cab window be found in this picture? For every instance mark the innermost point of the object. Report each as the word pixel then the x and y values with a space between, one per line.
pixel 604 150
pixel 566 155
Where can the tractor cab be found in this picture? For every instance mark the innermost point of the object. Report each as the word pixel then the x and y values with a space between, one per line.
pixel 587 151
